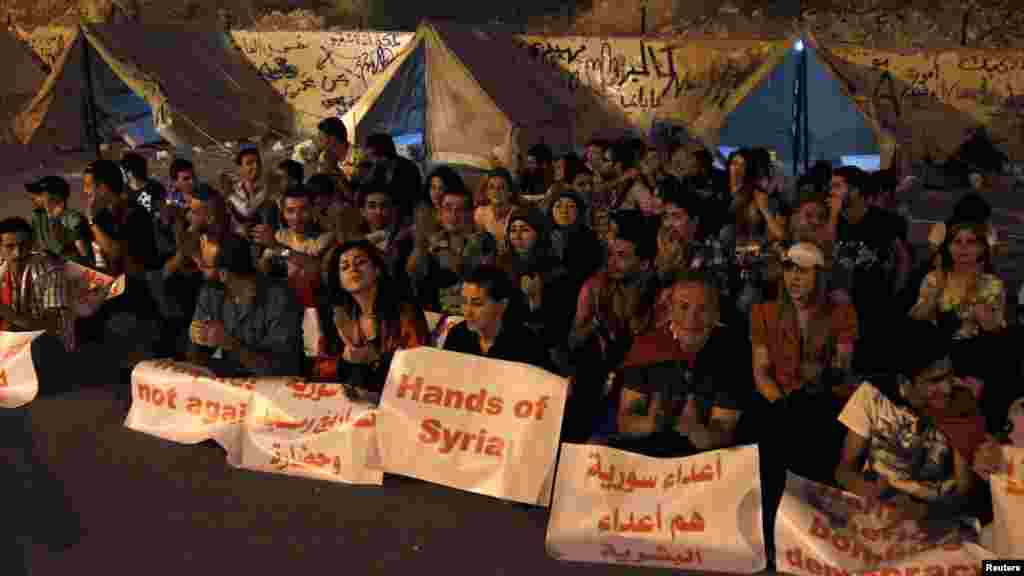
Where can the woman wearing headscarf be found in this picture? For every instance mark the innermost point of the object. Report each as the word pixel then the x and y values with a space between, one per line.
pixel 574 246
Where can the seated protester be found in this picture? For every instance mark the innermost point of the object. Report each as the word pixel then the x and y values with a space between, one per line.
pixel 441 179
pixel 40 220
pixel 692 403
pixel 65 236
pixel 119 225
pixel 325 200
pixel 809 220
pixel 989 458
pixel 383 227
pixel 255 321
pixel 302 237
pixel 253 208
pixel 565 170
pixel 176 286
pixel 494 326
pixel 536 173
pixel 402 174
pixel 621 187
pixel 366 319
pixel 543 282
pixel 893 451
pixel 617 303
pixel 33 290
pixel 870 262
pixel 574 246
pixel 147 192
pixel 802 348
pixel 502 199
pixel 439 257
pixel 290 173
pixel 676 251
pixel 968 303
pixel 183 179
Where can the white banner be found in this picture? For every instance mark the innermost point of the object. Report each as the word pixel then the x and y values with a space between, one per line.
pixel 1008 506
pixel 188 404
pixel 19 384
pixel 90 288
pixel 822 530
pixel 311 430
pixel 473 423
pixel 699 513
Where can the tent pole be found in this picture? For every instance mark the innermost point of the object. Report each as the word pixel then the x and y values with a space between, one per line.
pixel 805 135
pixel 91 128
pixel 796 128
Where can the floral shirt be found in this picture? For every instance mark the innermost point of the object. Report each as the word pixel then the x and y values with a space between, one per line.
pixel 955 307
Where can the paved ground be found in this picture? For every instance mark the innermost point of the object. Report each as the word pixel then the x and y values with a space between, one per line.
pixel 159 508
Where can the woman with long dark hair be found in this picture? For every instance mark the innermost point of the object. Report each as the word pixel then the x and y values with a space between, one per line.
pixel 365 319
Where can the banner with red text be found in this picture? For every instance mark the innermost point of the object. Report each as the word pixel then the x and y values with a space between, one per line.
pixel 189 404
pixel 1008 506
pixel 19 384
pixel 310 430
pixel 822 530
pixel 700 513
pixel 90 288
pixel 482 425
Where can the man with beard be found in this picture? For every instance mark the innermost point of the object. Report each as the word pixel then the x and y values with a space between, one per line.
pixel 255 321
pixel 439 258
pixel 871 262
pixel 692 403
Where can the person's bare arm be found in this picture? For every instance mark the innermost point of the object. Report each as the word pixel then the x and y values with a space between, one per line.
pixel 849 473
pixel 637 413
pixel 109 246
pixel 764 380
pixel 720 432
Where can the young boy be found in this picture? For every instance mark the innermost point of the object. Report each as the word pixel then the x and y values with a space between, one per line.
pixel 65 234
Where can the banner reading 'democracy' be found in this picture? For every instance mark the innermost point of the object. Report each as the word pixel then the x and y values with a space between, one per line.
pixel 310 430
pixel 821 530
pixel 702 512
pixel 482 425
pixel 18 382
pixel 1008 506
pixel 188 404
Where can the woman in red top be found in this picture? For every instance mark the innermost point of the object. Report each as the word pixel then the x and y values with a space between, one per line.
pixel 371 319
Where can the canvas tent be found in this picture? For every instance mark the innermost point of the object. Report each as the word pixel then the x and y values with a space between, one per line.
pixel 477 97
pixel 24 77
pixel 190 85
pixel 836 128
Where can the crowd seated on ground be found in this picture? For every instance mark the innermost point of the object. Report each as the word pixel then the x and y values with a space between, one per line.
pixel 688 308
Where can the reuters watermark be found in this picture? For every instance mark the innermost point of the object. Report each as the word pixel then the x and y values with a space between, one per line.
pixel 1002 566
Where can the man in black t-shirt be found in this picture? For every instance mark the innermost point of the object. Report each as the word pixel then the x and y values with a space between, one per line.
pixel 870 261
pixel 682 407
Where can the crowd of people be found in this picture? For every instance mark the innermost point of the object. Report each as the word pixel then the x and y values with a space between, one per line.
pixel 689 308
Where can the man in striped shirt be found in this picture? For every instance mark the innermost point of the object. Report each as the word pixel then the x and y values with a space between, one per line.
pixel 33 289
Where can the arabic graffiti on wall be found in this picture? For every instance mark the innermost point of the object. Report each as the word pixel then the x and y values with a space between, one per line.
pixel 320 73
pixel 930 100
pixel 646 78
pixel 48 43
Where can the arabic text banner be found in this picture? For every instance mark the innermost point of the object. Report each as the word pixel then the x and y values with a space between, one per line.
pixel 473 423
pixel 701 512
pixel 310 430
pixel 821 530
pixel 19 384
pixel 187 404
pixel 1008 506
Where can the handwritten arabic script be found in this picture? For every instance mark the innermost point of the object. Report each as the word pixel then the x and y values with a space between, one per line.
pixel 623 482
